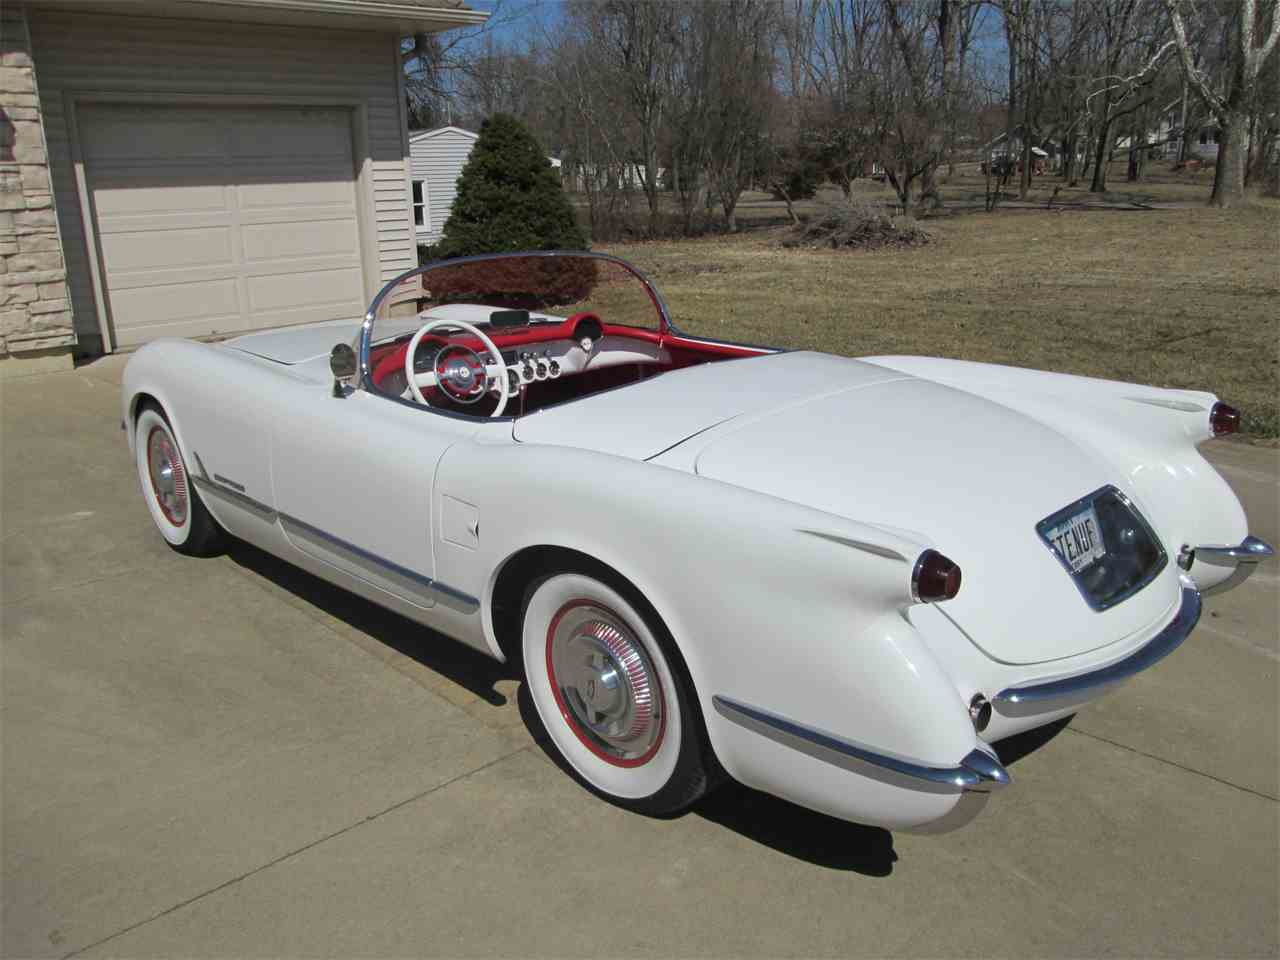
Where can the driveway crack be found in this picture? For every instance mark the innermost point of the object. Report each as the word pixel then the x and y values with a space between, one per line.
pixel 1174 763
pixel 293 853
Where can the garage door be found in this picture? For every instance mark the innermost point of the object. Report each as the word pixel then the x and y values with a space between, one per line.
pixel 220 220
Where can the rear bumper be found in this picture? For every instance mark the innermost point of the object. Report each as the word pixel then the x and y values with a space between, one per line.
pixel 843 778
pixel 1042 695
pixel 865 782
pixel 1228 566
pixel 979 770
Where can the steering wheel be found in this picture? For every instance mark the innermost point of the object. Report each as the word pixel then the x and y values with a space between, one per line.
pixel 458 371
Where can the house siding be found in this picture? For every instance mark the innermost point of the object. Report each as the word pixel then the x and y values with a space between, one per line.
pixel 439 160
pixel 78 54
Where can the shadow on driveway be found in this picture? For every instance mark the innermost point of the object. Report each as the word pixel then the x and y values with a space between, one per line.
pixel 778 824
pixel 765 819
pixel 464 666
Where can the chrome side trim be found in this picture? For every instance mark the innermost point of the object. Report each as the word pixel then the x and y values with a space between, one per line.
pixel 1183 406
pixel 978 771
pixel 227 481
pixel 200 463
pixel 1155 650
pixel 235 498
pixel 414 590
pixel 454 598
pixel 1245 557
pixel 863 545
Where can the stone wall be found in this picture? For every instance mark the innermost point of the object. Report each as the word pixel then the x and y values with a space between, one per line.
pixel 35 314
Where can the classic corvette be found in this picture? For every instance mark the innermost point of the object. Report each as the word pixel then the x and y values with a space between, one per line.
pixel 836 580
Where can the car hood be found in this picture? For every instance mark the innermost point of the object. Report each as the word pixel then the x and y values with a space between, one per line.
pixel 946 467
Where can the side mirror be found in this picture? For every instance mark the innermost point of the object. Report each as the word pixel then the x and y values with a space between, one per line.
pixel 342 362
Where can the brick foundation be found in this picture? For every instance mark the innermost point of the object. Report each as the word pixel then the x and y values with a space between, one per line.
pixel 35 312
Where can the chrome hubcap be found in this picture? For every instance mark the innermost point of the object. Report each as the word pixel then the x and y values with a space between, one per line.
pixel 168 479
pixel 605 683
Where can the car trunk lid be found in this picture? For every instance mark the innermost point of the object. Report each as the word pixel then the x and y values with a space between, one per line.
pixel 646 418
pixel 971 476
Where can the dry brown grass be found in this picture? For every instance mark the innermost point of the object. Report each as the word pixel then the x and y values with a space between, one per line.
pixel 1180 298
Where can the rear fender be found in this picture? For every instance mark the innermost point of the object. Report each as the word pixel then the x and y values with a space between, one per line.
pixel 772 604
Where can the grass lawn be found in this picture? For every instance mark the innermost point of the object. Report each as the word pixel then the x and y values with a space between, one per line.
pixel 1182 297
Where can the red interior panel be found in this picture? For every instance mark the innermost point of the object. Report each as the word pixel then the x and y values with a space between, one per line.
pixel 684 352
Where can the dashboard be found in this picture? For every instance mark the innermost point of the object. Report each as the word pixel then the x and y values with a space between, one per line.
pixel 550 360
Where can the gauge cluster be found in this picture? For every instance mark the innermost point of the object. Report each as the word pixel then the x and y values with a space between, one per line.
pixel 526 366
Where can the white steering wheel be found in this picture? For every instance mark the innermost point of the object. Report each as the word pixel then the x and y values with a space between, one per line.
pixel 458 371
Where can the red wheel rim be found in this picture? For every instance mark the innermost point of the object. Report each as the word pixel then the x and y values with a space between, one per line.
pixel 635 674
pixel 168 478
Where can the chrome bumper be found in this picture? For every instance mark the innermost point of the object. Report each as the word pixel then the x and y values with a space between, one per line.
pixel 1244 558
pixel 979 771
pixel 1072 687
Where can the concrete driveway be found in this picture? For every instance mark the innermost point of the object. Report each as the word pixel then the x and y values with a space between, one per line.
pixel 227 757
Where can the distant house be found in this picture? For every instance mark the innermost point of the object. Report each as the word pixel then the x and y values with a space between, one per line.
pixel 1046 154
pixel 436 158
pixel 627 176
pixel 1203 145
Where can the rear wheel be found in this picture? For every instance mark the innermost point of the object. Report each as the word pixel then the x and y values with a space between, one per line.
pixel 613 695
pixel 179 513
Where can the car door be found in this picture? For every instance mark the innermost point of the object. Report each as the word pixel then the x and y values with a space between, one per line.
pixel 352 478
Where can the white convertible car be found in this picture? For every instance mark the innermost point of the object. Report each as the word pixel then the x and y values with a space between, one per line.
pixel 710 558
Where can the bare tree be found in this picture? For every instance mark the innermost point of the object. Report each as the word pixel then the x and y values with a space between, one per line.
pixel 690 143
pixel 739 45
pixel 1251 35
pixel 914 107
pixel 632 40
pixel 434 62
pixel 843 70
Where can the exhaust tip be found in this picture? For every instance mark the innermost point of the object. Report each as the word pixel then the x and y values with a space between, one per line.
pixel 980 712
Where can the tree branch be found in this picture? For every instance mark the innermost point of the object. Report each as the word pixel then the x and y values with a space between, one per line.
pixel 1193 76
pixel 1269 44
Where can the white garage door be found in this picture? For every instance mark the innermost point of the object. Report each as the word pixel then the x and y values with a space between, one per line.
pixel 219 220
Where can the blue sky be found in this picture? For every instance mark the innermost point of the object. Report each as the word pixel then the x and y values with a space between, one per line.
pixel 517 22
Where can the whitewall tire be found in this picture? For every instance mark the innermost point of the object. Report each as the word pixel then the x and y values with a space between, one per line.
pixel 175 505
pixel 613 695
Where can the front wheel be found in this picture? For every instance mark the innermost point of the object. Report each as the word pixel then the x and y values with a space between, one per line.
pixel 176 507
pixel 612 693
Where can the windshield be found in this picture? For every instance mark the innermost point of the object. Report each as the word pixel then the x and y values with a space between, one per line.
pixel 551 286
pixel 532 316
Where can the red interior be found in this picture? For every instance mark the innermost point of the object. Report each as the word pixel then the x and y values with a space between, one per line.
pixel 389 358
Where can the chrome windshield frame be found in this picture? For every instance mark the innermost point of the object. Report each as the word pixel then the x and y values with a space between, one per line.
pixel 364 340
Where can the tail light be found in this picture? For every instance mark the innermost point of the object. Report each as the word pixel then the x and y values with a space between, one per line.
pixel 1224 419
pixel 935 578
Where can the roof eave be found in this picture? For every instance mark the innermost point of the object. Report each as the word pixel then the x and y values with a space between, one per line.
pixel 410 17
pixel 396 16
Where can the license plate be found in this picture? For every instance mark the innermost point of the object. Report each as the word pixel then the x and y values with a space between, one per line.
pixel 1078 539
